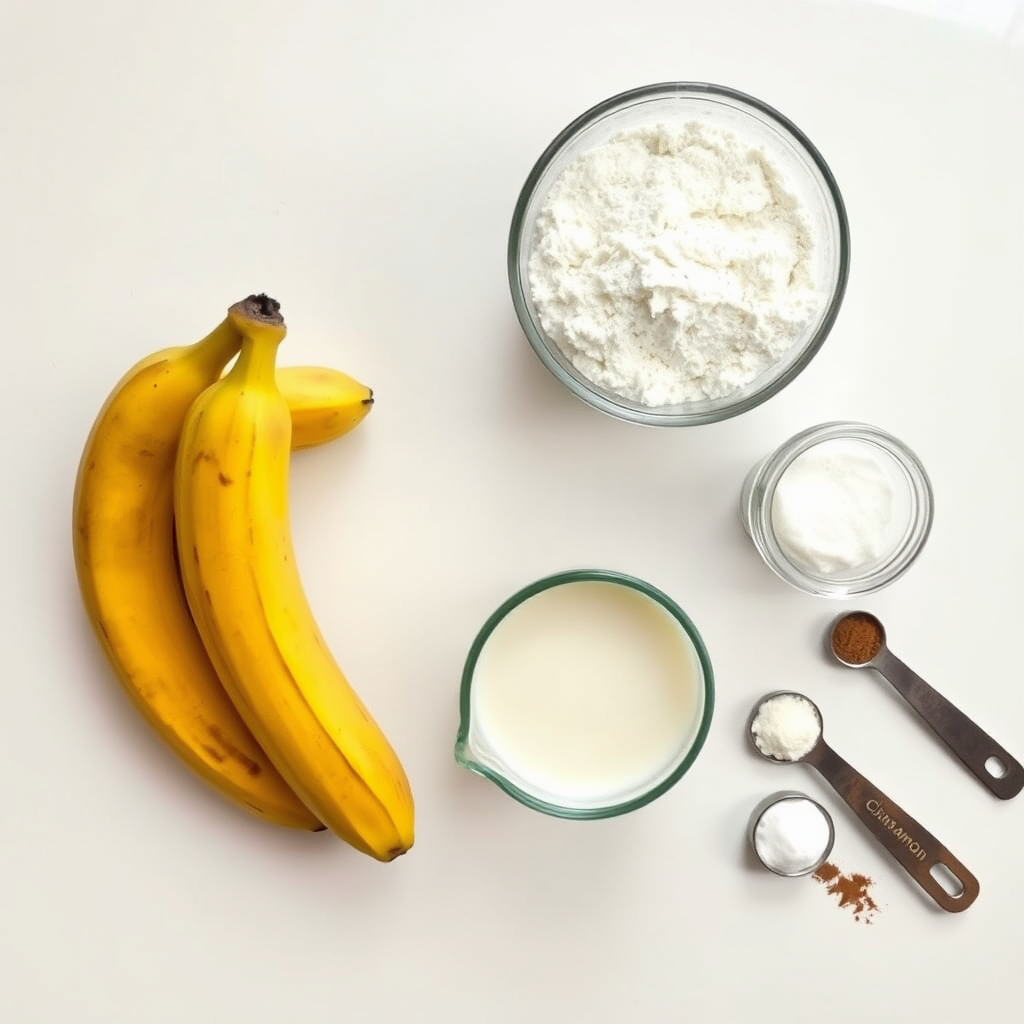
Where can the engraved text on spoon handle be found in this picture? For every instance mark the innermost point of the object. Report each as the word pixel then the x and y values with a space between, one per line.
pixel 916 849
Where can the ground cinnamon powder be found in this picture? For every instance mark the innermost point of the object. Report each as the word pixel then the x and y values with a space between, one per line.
pixel 856 638
pixel 852 890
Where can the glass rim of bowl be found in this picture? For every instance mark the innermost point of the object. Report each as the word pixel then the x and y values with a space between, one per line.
pixel 707 685
pixel 766 475
pixel 705 410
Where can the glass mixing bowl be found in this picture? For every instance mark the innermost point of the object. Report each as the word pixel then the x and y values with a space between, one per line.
pixel 806 176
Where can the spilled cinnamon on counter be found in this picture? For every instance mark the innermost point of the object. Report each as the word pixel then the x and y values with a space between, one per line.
pixel 852 890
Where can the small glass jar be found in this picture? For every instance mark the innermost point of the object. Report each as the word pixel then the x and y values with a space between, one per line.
pixel 906 532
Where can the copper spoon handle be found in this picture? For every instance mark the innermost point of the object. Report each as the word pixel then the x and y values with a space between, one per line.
pixel 967 740
pixel 917 850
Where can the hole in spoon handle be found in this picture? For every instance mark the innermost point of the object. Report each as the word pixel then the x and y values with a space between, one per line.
pixel 922 856
pixel 990 763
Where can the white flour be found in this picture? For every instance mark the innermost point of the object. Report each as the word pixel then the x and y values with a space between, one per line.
pixel 670 265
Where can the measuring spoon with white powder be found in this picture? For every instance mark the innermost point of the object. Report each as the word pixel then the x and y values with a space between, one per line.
pixel 857 640
pixel 786 727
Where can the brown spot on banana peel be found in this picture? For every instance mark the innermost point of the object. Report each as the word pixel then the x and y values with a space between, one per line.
pixel 251 766
pixel 225 481
pixel 215 754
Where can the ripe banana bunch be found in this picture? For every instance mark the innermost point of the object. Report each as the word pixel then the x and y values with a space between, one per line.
pixel 186 681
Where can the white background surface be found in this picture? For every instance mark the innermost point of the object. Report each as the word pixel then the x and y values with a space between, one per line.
pixel 361 163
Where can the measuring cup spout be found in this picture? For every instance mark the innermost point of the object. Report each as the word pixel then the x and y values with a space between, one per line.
pixel 469 753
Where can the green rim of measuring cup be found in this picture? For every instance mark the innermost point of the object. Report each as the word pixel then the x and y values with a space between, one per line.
pixel 462 757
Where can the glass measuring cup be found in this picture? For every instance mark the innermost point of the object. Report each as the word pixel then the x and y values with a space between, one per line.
pixel 917 851
pixel 480 750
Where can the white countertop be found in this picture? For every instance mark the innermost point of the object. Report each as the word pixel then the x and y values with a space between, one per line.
pixel 360 162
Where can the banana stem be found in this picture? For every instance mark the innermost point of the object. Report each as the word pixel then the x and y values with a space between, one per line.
pixel 260 308
pixel 259 321
pixel 218 348
pixel 254 315
pixel 257 361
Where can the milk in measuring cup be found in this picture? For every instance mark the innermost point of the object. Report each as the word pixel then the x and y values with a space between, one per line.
pixel 586 694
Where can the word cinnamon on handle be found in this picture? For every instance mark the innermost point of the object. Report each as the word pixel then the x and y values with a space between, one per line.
pixel 921 855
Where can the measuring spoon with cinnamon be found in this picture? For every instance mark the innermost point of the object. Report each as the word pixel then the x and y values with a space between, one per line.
pixel 857 640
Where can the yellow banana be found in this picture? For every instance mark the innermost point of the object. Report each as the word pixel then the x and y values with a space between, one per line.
pixel 238 568
pixel 126 562
pixel 324 403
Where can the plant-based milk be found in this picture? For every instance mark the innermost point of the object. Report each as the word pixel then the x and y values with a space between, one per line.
pixel 587 694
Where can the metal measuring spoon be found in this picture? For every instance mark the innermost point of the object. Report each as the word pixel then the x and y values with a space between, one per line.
pixel 916 849
pixel 857 640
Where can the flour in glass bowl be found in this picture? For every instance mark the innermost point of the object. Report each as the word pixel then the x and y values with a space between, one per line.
pixel 669 264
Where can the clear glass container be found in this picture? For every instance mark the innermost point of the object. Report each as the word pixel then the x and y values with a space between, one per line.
pixel 914 501
pixel 475 751
pixel 806 175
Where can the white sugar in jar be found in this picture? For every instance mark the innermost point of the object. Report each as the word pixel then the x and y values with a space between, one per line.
pixel 791 834
pixel 839 510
